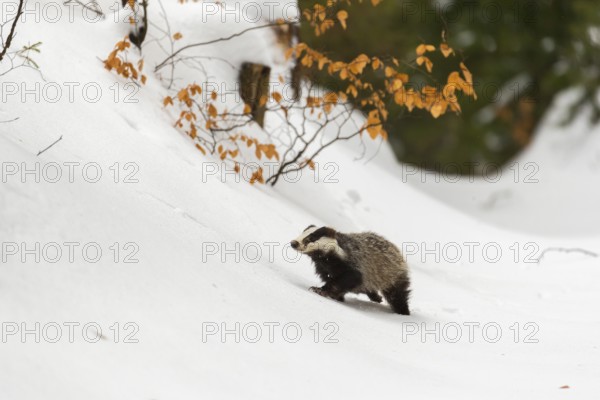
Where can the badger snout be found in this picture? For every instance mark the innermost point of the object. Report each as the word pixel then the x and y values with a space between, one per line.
pixel 295 244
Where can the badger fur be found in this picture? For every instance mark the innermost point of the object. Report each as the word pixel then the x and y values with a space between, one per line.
pixel 357 263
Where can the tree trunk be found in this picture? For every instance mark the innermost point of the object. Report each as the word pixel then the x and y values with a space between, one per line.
pixel 254 89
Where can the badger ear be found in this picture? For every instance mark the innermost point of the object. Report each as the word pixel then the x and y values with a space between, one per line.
pixel 324 231
pixel 308 227
pixel 330 231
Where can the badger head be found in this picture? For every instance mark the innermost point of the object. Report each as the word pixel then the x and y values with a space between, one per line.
pixel 318 241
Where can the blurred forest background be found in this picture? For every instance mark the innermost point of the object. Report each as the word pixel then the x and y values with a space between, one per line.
pixel 522 54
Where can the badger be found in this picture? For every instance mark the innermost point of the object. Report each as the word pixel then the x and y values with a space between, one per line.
pixel 357 263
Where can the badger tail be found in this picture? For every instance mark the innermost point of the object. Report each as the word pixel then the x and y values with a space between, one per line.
pixel 397 296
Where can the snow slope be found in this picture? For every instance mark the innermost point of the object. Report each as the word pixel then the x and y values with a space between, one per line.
pixel 556 176
pixel 175 216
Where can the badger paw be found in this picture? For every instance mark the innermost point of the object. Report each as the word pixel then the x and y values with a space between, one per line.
pixel 374 296
pixel 325 293
pixel 319 291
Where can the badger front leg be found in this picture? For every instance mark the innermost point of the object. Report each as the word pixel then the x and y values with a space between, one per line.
pixel 327 290
pixel 337 286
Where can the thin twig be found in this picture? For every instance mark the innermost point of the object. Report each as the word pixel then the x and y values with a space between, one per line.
pixel 87 6
pixel 189 46
pixel 566 250
pixel 42 151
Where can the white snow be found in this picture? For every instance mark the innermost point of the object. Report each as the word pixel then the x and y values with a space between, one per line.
pixel 176 215
pixel 550 189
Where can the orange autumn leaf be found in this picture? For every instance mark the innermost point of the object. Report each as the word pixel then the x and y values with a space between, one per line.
pixel 468 90
pixel 201 149
pixel 376 63
pixel 399 97
pixel 352 90
pixel 193 132
pixel 426 61
pixel 195 89
pixel 396 84
pixel 373 124
pixel 358 65
pixel 467 74
pixel 122 45
pixel 182 95
pixel 446 50
pixel 342 16
pixel 322 60
pixel 389 71
pixel 423 48
pixel 438 109
pixel 212 111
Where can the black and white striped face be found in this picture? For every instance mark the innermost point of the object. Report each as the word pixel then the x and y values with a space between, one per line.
pixel 315 239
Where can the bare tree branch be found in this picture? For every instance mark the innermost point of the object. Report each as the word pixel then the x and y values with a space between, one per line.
pixel 11 35
pixel 189 46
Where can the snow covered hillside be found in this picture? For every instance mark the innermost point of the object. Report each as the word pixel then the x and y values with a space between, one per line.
pixel 123 227
pixel 550 189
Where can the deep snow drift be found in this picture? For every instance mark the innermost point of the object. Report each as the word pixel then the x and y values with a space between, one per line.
pixel 504 319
